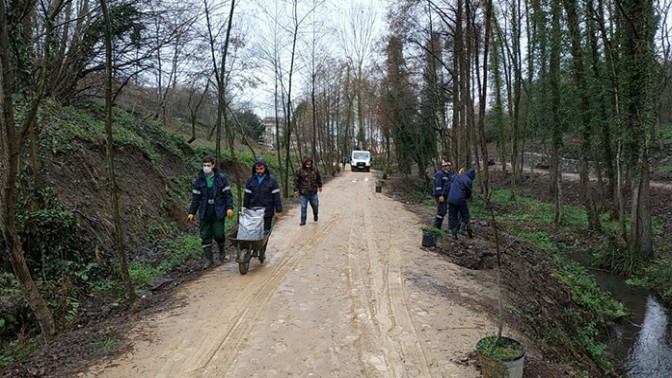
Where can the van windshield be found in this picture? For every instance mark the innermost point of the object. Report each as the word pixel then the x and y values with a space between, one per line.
pixel 360 155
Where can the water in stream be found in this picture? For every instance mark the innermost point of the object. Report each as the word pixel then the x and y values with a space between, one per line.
pixel 642 344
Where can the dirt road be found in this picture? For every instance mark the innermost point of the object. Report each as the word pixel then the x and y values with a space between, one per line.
pixel 352 295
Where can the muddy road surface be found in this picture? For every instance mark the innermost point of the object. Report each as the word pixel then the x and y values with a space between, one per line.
pixel 352 295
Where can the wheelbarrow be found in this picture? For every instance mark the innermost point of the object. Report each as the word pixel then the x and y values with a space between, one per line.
pixel 247 249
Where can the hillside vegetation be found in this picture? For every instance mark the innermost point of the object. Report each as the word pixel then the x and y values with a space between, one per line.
pixel 66 222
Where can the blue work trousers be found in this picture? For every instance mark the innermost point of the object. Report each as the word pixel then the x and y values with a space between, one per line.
pixel 314 204
pixel 453 217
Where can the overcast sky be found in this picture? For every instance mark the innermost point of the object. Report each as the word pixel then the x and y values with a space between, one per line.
pixel 332 23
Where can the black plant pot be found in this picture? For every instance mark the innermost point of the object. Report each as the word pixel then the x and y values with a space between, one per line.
pixel 428 239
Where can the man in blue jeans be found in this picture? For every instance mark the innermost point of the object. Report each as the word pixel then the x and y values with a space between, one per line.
pixel 307 183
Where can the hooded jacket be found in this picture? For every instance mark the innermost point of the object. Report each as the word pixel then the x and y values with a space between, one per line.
pixel 460 189
pixel 222 197
pixel 307 180
pixel 264 194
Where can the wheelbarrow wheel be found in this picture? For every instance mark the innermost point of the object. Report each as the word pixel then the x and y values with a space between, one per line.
pixel 243 260
pixel 243 267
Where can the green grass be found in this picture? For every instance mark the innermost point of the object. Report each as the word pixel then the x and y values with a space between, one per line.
pixel 600 309
pixel 625 262
pixel 178 253
pixel 539 239
pixel 76 125
pixel 657 276
pixel 15 351
pixel 102 341
pixel 666 134
pixel 586 293
pixel 665 170
pixel 439 233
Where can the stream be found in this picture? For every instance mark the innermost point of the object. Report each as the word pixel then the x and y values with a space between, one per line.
pixel 642 343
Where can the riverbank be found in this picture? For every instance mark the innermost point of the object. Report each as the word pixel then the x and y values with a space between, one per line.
pixel 541 299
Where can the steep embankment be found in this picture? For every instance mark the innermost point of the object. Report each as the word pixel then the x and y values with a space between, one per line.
pixel 65 215
pixel 152 167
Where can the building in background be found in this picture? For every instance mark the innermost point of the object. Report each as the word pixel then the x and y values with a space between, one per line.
pixel 268 138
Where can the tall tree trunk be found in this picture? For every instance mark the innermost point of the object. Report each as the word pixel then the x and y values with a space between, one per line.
pixel 498 108
pixel 289 109
pixel 466 80
pixel 639 61
pixel 9 165
pixel 361 133
pixel 458 51
pixel 556 122
pixel 607 24
pixel 585 114
pixel 484 171
pixel 118 229
pixel 223 103
pixel 604 155
pixel 517 137
pixel 314 115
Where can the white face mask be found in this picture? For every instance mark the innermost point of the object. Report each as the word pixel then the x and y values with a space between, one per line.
pixel 207 170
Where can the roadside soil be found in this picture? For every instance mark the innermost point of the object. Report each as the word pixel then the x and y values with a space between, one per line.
pixel 353 294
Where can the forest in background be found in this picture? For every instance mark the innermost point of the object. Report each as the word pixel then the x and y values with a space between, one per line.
pixel 587 79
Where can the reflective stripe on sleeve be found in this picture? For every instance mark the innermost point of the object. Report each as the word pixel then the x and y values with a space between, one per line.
pixel 276 191
pixel 248 191
pixel 225 189
pixel 196 191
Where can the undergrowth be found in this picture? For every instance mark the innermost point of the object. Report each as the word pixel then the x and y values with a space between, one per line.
pixel 524 218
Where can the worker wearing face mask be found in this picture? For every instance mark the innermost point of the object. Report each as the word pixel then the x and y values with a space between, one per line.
pixel 212 198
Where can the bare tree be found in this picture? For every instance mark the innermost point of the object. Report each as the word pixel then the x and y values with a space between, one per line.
pixel 584 110
pixel 11 144
pixel 357 37
pixel 116 215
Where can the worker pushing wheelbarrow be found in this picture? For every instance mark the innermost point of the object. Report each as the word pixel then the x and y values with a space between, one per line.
pixel 248 248
pixel 261 204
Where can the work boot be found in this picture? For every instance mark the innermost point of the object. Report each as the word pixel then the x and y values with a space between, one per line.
pixel 315 217
pixel 454 233
pixel 437 222
pixel 463 229
pixel 223 256
pixel 207 251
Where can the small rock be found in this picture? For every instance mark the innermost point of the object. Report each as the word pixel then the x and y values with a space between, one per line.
pixel 146 295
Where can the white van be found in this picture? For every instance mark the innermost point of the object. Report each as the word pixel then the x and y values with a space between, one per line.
pixel 360 161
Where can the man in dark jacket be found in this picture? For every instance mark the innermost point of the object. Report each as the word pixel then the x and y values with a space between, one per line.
pixel 211 197
pixel 460 192
pixel 262 190
pixel 307 183
pixel 442 180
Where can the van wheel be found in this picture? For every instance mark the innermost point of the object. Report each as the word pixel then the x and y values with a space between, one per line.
pixel 368 169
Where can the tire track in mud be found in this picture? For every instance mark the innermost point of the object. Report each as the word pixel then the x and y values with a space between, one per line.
pixel 255 302
pixel 379 297
pixel 403 329
pixel 186 346
pixel 361 299
pixel 330 292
